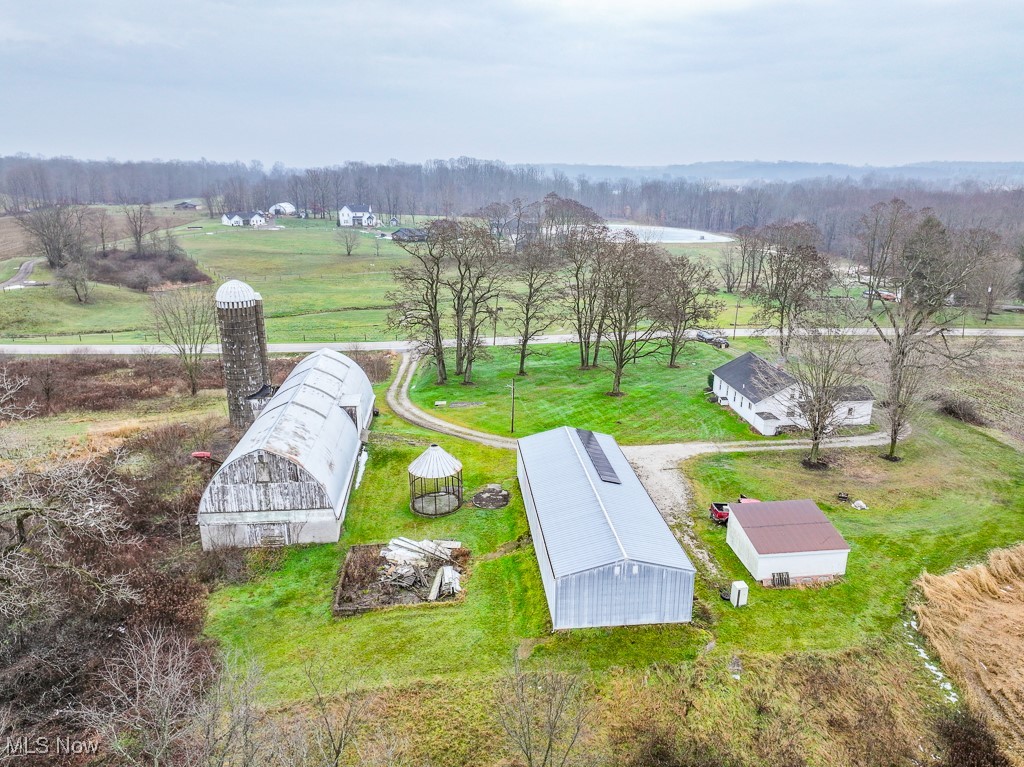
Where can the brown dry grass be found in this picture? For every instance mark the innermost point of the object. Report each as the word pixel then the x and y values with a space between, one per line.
pixel 13 242
pixel 974 617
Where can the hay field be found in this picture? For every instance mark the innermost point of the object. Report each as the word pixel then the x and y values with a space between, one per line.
pixel 974 617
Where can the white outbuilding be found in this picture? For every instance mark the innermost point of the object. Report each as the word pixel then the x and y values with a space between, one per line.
pixel 783 543
pixel 289 477
pixel 282 209
pixel 606 555
pixel 768 398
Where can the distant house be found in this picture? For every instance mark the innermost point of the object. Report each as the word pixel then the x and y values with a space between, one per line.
pixel 185 205
pixel 282 209
pixel 249 218
pixel 394 221
pixel 356 215
pixel 785 543
pixel 407 234
pixel 767 397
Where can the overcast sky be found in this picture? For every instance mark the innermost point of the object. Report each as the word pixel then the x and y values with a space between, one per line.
pixel 637 82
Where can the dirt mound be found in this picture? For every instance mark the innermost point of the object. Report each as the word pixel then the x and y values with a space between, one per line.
pixel 974 617
pixel 491 497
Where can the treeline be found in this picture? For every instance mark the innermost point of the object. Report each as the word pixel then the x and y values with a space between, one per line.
pixel 454 187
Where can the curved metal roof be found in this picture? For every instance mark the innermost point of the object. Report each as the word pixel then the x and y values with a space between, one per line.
pixel 435 463
pixel 235 294
pixel 307 422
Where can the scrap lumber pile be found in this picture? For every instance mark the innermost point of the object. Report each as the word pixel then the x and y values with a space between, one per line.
pixel 415 565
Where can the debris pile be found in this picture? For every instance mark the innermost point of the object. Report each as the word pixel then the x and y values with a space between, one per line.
pixel 409 565
pixel 402 572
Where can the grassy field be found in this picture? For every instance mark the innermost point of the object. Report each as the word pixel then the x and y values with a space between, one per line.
pixel 284 619
pixel 311 290
pixel 957 494
pixel 661 404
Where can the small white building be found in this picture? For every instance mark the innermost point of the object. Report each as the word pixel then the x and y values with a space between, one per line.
pixel 786 542
pixel 356 215
pixel 282 209
pixel 767 397
pixel 289 477
pixel 606 555
pixel 249 218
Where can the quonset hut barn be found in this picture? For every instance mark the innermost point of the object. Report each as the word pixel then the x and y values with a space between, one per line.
pixel 288 479
pixel 606 555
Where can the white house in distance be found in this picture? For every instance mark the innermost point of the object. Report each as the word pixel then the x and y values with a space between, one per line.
pixel 282 209
pixel 356 215
pixel 766 397
pixel 289 477
pixel 249 218
pixel 785 543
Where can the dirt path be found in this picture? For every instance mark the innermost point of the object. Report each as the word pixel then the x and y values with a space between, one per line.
pixel 24 272
pixel 398 400
pixel 659 467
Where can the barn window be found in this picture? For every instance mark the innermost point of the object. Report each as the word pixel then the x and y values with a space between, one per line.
pixel 293 472
pixel 849 411
pixel 262 468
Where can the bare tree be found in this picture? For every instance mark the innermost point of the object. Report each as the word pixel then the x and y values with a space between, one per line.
pixel 928 269
pixel 584 251
pixel 995 270
pixel 147 697
pixel 188 320
pixel 881 233
pixel 730 269
pixel 416 306
pixel 141 222
pixel 542 714
pixel 630 295
pixel 59 231
pixel 686 300
pixel 49 519
pixel 824 367
pixel 349 238
pixel 338 713
pixel 795 276
pixel 226 724
pixel 534 308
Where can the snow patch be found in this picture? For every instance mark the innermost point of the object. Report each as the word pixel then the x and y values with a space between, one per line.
pixel 363 456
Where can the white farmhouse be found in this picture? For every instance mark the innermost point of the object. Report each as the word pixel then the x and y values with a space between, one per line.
pixel 249 218
pixel 785 543
pixel 767 397
pixel 356 215
pixel 289 477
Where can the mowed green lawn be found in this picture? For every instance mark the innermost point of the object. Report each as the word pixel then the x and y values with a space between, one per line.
pixel 957 494
pixel 661 404
pixel 283 619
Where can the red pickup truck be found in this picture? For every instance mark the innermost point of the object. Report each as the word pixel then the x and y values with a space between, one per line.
pixel 719 512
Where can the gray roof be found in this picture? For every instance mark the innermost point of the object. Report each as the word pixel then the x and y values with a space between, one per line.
pixel 585 522
pixel 306 423
pixel 787 527
pixel 754 377
pixel 757 379
pixel 358 208
pixel 246 214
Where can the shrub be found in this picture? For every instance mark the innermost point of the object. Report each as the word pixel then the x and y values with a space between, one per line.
pixel 963 409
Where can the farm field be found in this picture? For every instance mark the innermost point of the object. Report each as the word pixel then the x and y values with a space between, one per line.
pixel 311 290
pixel 956 495
pixel 660 404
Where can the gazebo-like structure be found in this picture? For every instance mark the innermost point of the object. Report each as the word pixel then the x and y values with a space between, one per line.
pixel 435 483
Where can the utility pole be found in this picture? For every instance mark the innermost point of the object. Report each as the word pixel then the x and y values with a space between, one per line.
pixel 736 319
pixel 512 430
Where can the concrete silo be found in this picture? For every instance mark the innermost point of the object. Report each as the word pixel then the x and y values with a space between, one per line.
pixel 243 345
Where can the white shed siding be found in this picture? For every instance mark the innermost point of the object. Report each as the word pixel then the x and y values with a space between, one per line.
pixel 605 554
pixel 623 593
pixel 798 564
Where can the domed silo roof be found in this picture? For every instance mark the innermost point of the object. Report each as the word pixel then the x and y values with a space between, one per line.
pixel 435 463
pixel 235 294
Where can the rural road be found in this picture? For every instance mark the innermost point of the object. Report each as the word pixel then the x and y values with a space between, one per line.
pixel 399 346
pixel 23 274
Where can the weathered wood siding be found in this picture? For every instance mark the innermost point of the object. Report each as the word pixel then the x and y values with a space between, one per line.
pixel 263 481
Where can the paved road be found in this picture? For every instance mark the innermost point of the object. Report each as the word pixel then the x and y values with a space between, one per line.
pixel 23 273
pixel 396 346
